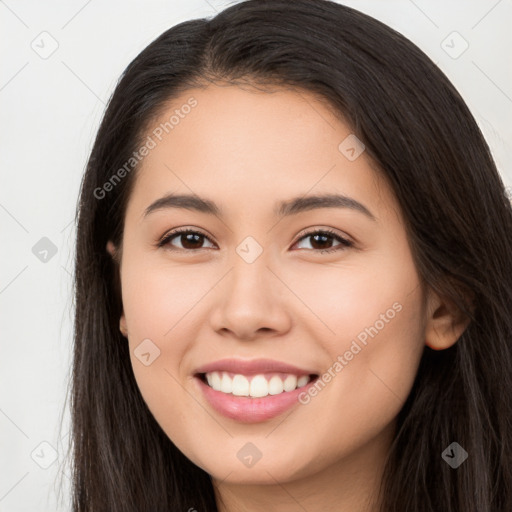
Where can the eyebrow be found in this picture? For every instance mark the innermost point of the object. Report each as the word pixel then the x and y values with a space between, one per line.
pixel 282 209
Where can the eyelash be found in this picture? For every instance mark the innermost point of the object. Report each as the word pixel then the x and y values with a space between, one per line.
pixel 344 243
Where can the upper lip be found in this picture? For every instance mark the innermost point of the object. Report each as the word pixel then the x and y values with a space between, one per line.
pixel 252 367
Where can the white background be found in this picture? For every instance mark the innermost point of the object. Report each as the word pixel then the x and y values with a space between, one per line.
pixel 51 108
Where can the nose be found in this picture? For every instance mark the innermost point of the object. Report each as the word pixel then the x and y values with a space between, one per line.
pixel 251 302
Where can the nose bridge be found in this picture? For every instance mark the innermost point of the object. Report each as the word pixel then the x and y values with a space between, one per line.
pixel 249 263
pixel 250 298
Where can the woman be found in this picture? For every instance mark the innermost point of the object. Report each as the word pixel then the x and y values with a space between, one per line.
pixel 293 277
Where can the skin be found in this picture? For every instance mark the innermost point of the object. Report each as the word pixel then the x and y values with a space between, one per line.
pixel 247 150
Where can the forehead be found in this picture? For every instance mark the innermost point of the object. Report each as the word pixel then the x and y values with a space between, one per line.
pixel 242 145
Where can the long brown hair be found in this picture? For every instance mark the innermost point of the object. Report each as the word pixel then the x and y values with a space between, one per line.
pixel 427 144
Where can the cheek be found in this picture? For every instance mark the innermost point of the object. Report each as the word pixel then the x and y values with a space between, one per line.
pixel 375 335
pixel 157 299
pixel 381 352
pixel 379 368
pixel 343 300
pixel 374 362
pixel 158 305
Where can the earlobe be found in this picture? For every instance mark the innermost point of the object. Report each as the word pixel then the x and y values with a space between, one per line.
pixel 122 326
pixel 114 251
pixel 111 249
pixel 445 323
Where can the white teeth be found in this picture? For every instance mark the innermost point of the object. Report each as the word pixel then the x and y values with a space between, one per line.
pixel 275 385
pixel 216 380
pixel 226 384
pixel 290 383
pixel 240 385
pixel 302 381
pixel 257 387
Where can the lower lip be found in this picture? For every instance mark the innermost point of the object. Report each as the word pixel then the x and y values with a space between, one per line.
pixel 252 410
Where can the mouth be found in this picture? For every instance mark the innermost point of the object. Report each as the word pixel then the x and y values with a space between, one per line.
pixel 253 398
pixel 255 386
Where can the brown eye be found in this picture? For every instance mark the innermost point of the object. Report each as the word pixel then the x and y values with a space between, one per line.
pixel 322 241
pixel 189 240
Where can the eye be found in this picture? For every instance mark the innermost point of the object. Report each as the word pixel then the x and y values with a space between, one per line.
pixel 193 240
pixel 189 239
pixel 323 238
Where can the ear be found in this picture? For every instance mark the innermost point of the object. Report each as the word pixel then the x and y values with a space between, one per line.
pixel 111 249
pixel 445 322
pixel 122 326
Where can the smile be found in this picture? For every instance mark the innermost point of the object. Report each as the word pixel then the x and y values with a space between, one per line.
pixel 255 386
pixel 265 396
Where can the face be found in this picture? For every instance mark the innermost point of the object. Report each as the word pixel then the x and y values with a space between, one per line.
pixel 327 291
